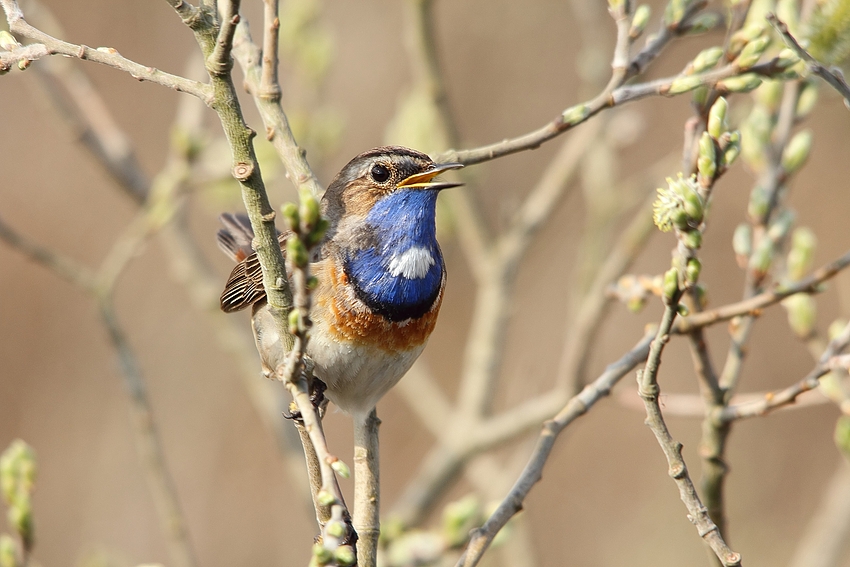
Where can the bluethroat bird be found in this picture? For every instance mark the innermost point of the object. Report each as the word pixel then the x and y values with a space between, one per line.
pixel 380 271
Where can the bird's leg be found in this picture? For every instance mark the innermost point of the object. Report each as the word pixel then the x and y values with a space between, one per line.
pixel 317 396
pixel 366 487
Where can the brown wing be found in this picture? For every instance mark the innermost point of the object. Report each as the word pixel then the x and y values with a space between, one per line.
pixel 244 287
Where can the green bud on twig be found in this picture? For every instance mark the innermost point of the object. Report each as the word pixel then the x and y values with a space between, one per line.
pixel 706 59
pixel 8 41
pixel 781 226
pixel 17 472
pixel 20 518
pixel 802 314
pixel 639 21
pixel 297 252
pixel 700 95
pixel 683 310
pixel 671 286
pixel 762 258
pixel 693 202
pixel 692 239
pixel 740 84
pixel 692 271
pixel 318 233
pixel 797 152
pixel 733 148
pixel 706 162
pixel 678 205
pixel 345 555
pixel 701 295
pixel 8 554
pixel 742 243
pixel 842 435
pixel 787 58
pixel 757 130
pixel 704 22
pixel 335 529
pixel 309 210
pixel 835 328
pixel 742 37
pixel 807 99
pixel 674 12
pixel 802 253
pixel 759 204
pixel 684 84
pixel 575 114
pixel 752 52
pixel 321 555
pixel 325 498
pixel 341 468
pixel 717 118
pixel 290 213
pixel 769 94
pixel 459 517
pixel 295 321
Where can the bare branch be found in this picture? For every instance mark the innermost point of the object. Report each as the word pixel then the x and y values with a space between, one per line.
pixel 775 400
pixel 531 475
pixel 103 55
pixel 63 267
pixel 650 393
pixel 755 304
pixel 219 61
pixel 367 488
pixel 833 77
pixel 269 87
pixel 292 156
pixel 149 445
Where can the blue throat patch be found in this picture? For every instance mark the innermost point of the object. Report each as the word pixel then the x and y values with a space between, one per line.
pixel 400 222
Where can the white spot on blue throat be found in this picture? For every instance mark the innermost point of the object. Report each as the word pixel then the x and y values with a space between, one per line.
pixel 413 264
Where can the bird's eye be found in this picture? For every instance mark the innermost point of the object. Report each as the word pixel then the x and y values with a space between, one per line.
pixel 380 173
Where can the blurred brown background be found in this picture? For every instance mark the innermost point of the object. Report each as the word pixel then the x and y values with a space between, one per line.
pixel 511 66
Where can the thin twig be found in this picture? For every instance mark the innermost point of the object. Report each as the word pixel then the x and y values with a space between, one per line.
pixel 576 407
pixel 775 400
pixel 148 442
pixel 62 266
pixel 754 305
pixel 246 170
pixel 269 85
pixel 367 488
pixel 219 62
pixel 293 157
pixel 650 392
pixel 103 55
pixel 693 405
pixel 833 77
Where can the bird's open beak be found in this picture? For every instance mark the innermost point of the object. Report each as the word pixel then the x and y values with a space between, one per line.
pixel 424 180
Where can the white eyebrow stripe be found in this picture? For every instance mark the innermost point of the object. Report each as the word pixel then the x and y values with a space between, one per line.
pixel 413 263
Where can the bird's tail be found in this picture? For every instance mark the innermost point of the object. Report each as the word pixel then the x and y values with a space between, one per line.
pixel 236 236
